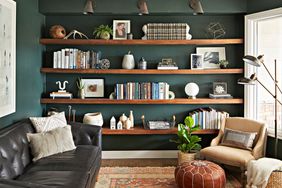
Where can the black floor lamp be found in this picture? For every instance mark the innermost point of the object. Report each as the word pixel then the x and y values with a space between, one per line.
pixel 258 61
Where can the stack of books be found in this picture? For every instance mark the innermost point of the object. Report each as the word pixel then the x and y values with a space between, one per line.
pixel 144 90
pixel 208 118
pixel 61 94
pixel 221 96
pixel 167 31
pixel 70 58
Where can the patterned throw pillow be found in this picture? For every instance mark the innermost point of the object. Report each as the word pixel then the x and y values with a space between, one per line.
pixel 238 139
pixel 44 124
pixel 49 143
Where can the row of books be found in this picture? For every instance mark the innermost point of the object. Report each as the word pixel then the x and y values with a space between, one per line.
pixel 208 118
pixel 167 31
pixel 70 58
pixel 144 90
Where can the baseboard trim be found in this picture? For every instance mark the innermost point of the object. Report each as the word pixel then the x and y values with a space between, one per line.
pixel 140 154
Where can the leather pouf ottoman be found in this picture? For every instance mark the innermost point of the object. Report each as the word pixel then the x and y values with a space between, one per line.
pixel 200 174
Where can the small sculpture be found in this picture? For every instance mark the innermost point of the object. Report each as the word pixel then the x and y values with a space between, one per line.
pixel 128 124
pixel 131 117
pixel 61 93
pixel 215 30
pixel 69 115
pixel 74 33
pixel 113 123
pixel 73 115
pixel 119 125
pixel 128 61
pixel 145 30
pixel 104 64
pixel 62 88
pixel 57 32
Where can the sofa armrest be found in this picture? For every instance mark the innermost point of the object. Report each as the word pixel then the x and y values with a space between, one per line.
pixel 84 134
pixel 7 183
pixel 217 139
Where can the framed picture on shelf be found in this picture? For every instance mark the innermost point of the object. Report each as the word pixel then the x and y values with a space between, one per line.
pixel 219 88
pixel 120 29
pixel 93 87
pixel 7 57
pixel 211 56
pixel 197 61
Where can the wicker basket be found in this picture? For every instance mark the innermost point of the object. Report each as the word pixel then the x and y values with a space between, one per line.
pixel 275 180
pixel 185 157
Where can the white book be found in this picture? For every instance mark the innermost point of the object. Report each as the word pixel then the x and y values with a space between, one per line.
pixel 55 60
pixel 59 59
pixel 75 51
pixel 63 51
pixel 67 58
pixel 166 91
pixel 161 90
pixel 71 63
pixel 167 68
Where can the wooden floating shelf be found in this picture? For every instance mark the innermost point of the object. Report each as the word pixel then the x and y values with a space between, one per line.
pixel 142 101
pixel 138 71
pixel 142 131
pixel 139 42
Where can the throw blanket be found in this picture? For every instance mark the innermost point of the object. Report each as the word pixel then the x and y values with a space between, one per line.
pixel 259 171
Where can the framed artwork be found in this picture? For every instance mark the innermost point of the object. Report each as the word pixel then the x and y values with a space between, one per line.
pixel 93 87
pixel 7 57
pixel 120 29
pixel 212 56
pixel 197 61
pixel 219 88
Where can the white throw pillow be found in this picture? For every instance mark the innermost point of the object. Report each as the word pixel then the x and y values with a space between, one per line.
pixel 49 143
pixel 44 124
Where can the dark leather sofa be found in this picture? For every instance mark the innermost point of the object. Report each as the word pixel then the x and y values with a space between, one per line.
pixel 73 169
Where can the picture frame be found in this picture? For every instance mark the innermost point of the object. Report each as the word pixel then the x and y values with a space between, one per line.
pixel 211 56
pixel 219 88
pixel 93 87
pixel 7 57
pixel 197 61
pixel 120 29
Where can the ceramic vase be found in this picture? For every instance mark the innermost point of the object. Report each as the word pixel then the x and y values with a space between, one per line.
pixel 131 117
pixel 81 94
pixel 128 61
pixel 95 118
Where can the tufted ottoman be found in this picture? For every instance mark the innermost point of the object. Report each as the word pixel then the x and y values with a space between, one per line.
pixel 199 174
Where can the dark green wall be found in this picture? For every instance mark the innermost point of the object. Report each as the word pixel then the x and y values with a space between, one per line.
pixel 262 5
pixel 28 62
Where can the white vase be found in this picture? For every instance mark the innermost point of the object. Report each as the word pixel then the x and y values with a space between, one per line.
pixel 131 117
pixel 128 61
pixel 93 119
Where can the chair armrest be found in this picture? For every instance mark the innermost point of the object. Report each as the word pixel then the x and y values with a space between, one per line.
pixel 20 184
pixel 217 139
pixel 259 149
pixel 84 134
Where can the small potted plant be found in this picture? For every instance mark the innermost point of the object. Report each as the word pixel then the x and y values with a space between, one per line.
pixel 80 87
pixel 188 144
pixel 103 32
pixel 223 64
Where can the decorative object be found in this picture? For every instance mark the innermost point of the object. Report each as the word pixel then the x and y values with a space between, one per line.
pixel 104 64
pixel 73 115
pixel 52 111
pixel 80 86
pixel 192 90
pixel 112 95
pixel 123 119
pixel 61 93
pixel 119 125
pixel 197 61
pixel 257 62
pixel 142 64
pixel 69 115
pixel 95 118
pixel 55 141
pixel 45 124
pixel 188 144
pixel 215 30
pixel 131 117
pixel 219 88
pixel 120 29
pixel 113 123
pixel 212 56
pixel 223 64
pixel 88 8
pixel 74 33
pixel 167 64
pixel 93 87
pixel 142 6
pixel 103 32
pixel 171 95
pixel 206 174
pixel 196 6
pixel 128 61
pixel 128 124
pixel 7 57
pixel 129 36
pixel 158 125
pixel 57 32
pixel 145 31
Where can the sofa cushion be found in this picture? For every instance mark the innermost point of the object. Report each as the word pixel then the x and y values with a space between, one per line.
pixel 55 141
pixel 227 155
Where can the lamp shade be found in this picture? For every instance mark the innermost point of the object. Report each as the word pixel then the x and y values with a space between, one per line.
pixel 248 81
pixel 142 6
pixel 192 90
pixel 88 8
pixel 196 6
pixel 252 60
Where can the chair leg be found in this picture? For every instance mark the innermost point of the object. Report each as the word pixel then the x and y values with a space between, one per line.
pixel 243 177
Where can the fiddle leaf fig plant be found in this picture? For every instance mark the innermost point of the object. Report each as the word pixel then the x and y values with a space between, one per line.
pixel 187 143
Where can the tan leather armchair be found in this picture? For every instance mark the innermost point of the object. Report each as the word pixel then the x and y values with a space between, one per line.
pixel 235 156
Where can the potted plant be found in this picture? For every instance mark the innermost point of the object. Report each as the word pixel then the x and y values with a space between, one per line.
pixel 223 64
pixel 188 144
pixel 103 32
pixel 80 87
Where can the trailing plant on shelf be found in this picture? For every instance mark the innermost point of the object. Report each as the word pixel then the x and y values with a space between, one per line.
pixel 103 32
pixel 80 86
pixel 188 144
pixel 223 64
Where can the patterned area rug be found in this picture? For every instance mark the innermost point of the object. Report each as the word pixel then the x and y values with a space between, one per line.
pixel 143 177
